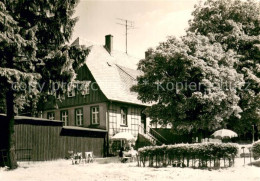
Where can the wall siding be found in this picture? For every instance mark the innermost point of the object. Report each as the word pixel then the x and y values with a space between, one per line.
pixel 95 95
pixel 86 115
pixel 47 142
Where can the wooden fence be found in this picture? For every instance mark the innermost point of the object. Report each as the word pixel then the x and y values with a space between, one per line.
pixel 48 140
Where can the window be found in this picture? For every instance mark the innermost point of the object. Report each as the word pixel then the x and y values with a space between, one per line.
pixel 71 93
pixel 112 121
pixel 95 115
pixel 64 117
pixel 84 87
pixel 79 117
pixel 123 112
pixel 51 115
pixel 57 95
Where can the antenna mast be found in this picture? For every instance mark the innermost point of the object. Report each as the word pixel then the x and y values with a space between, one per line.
pixel 128 25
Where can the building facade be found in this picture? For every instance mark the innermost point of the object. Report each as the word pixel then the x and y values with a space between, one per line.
pixel 101 99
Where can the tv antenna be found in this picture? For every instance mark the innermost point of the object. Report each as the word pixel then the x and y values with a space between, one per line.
pixel 128 25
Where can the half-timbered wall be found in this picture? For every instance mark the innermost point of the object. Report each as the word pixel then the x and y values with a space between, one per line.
pixel 133 119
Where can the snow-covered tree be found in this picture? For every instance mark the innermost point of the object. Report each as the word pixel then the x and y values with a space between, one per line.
pixel 191 83
pixel 222 44
pixel 33 52
pixel 235 24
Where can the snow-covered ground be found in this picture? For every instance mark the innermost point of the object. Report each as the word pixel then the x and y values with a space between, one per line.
pixel 104 169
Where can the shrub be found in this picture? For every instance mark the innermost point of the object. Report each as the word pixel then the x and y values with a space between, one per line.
pixel 204 152
pixel 256 150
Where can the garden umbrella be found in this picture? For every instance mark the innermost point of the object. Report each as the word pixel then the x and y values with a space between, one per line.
pixel 123 136
pixel 222 133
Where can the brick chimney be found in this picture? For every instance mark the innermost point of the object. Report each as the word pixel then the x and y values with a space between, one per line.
pixel 148 52
pixel 109 43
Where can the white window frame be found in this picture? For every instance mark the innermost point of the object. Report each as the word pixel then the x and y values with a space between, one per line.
pixel 84 87
pixel 79 116
pixel 65 117
pixel 95 115
pixel 71 93
pixel 123 116
pixel 50 115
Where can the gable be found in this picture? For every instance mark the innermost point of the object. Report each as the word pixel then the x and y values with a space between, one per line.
pixel 115 74
pixel 95 94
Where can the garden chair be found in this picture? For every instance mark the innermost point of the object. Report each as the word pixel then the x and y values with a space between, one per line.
pixel 134 154
pixel 89 158
pixel 71 156
pixel 78 157
pixel 126 156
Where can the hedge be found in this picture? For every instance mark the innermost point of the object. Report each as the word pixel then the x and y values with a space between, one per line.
pixel 256 150
pixel 180 155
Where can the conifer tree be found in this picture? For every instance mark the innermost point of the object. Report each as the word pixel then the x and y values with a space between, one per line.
pixel 33 52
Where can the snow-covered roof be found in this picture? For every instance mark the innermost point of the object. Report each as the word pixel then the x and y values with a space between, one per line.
pixel 115 73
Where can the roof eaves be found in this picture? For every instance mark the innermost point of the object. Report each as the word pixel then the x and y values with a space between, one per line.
pixel 132 103
pixel 84 129
pixel 32 118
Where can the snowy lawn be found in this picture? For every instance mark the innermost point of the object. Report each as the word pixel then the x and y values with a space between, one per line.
pixel 112 169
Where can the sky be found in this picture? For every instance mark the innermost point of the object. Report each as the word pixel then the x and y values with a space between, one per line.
pixel 154 20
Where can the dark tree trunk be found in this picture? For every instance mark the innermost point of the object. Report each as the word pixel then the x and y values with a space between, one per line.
pixel 200 136
pixel 256 132
pixel 12 162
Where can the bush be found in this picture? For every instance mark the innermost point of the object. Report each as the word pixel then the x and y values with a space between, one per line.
pixel 256 150
pixel 204 152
